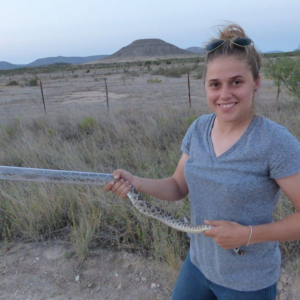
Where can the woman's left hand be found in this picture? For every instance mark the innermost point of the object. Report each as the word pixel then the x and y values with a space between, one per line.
pixel 228 235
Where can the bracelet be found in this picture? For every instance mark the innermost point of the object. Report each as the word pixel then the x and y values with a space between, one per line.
pixel 250 235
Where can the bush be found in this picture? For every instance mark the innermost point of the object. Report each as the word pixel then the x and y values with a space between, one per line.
pixel 33 82
pixel 286 71
pixel 148 65
pixel 177 72
pixel 199 74
pixel 12 83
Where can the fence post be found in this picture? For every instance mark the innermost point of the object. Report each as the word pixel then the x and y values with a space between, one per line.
pixel 190 102
pixel 43 96
pixel 107 103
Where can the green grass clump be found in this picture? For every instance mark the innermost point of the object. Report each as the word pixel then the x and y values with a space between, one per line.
pixel 190 120
pixel 88 125
pixel 155 80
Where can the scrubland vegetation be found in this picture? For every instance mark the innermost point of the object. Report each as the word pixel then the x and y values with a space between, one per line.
pixel 144 142
pixel 285 71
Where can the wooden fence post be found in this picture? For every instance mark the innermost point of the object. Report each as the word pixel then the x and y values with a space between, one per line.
pixel 107 103
pixel 190 102
pixel 43 96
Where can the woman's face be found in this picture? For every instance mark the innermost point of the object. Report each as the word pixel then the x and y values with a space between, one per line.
pixel 229 87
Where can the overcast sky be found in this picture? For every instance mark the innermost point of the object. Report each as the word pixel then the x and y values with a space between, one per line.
pixel 35 29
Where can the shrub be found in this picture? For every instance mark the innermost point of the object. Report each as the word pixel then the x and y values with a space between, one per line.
pixel 199 73
pixel 12 83
pixel 286 71
pixel 134 74
pixel 174 72
pixel 33 82
pixel 179 71
pixel 148 65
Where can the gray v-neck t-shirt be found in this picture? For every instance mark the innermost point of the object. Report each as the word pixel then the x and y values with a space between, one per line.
pixel 238 186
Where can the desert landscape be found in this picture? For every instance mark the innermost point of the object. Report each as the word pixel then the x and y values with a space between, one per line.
pixel 65 242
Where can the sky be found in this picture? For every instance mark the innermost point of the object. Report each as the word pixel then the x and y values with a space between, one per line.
pixel 35 29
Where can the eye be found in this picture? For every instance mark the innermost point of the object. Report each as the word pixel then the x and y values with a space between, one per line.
pixel 214 84
pixel 236 82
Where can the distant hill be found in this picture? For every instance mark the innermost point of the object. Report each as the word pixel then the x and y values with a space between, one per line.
pixel 196 50
pixel 63 59
pixel 52 60
pixel 147 49
pixel 274 51
pixel 8 66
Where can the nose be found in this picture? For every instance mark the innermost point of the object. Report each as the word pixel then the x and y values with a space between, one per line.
pixel 225 93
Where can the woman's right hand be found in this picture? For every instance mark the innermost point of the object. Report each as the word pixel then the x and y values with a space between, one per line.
pixel 121 185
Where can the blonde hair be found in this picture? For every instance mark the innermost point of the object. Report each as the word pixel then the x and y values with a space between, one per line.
pixel 249 53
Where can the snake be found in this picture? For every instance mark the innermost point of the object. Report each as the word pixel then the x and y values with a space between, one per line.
pixel 89 178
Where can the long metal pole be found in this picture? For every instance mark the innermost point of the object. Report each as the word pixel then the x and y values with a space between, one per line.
pixel 54 176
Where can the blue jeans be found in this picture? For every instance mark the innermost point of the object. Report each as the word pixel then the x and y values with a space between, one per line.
pixel 192 285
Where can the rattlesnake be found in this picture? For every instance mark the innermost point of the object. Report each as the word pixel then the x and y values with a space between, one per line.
pixel 151 211
pixel 86 178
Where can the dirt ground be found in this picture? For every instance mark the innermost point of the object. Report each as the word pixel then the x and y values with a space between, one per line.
pixel 40 271
pixel 36 271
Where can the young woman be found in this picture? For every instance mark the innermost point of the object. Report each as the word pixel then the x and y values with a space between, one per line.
pixel 233 166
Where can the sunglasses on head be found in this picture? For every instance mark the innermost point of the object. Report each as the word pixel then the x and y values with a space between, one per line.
pixel 239 41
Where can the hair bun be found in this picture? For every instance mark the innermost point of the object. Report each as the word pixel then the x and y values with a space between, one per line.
pixel 231 31
pixel 228 32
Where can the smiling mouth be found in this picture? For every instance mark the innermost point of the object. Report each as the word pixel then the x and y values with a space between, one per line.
pixel 227 105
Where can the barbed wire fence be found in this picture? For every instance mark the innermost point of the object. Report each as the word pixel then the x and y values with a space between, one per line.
pixel 112 82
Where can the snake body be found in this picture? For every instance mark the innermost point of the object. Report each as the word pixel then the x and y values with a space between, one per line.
pixel 151 211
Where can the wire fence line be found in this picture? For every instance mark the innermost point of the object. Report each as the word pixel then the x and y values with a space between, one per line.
pixel 109 85
pixel 49 94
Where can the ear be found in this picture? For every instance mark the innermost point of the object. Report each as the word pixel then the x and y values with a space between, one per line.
pixel 257 83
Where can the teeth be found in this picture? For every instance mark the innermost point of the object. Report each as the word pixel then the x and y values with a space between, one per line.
pixel 227 105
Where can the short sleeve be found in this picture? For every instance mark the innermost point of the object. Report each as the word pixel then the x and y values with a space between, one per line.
pixel 186 142
pixel 284 159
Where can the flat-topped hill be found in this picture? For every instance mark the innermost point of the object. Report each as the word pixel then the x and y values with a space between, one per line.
pixel 147 49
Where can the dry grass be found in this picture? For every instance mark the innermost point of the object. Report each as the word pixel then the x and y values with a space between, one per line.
pixel 145 142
